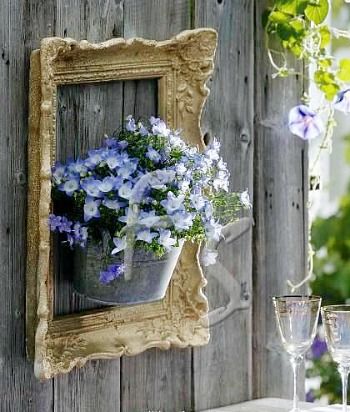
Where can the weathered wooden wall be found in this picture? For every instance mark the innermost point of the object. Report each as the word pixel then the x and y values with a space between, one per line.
pixel 246 110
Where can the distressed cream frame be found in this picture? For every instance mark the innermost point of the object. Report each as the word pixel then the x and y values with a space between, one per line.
pixel 182 66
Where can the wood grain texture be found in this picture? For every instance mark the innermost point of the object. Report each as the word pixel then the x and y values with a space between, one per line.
pixel 222 370
pixel 96 386
pixel 280 195
pixel 155 380
pixel 19 390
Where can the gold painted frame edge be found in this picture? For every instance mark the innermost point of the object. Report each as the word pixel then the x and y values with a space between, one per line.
pixel 185 322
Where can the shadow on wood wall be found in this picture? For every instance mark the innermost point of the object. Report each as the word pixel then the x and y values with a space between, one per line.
pixel 244 110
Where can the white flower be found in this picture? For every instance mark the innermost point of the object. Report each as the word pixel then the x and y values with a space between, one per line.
pixel 165 239
pixel 125 190
pixel 305 123
pixel 173 203
pixel 208 257
pixel 146 235
pixel 245 199
pixel 120 244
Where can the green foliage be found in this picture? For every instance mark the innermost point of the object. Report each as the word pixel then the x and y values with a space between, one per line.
pixel 298 27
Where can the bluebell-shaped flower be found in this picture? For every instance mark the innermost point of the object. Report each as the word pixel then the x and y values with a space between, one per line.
pixel 153 155
pixel 213 230
pixel 182 220
pixel 305 123
pixel 130 124
pixel 146 235
pixel 110 183
pixel 94 158
pixel 78 167
pixel 197 201
pixel 166 240
pixel 119 245
pixel 125 190
pixel 342 102
pixel 112 272
pixel 113 159
pixel 91 187
pixel 91 208
pixel 208 256
pixel 69 186
pixel 173 203
pixel 58 172
pixel 113 204
pixel 245 199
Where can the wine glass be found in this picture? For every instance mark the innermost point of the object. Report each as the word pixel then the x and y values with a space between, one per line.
pixel 336 321
pixel 297 318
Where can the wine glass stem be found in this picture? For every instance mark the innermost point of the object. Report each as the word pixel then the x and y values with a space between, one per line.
pixel 344 373
pixel 295 362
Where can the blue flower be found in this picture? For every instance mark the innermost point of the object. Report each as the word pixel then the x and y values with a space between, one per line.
pixel 80 234
pixel 128 168
pixel 146 235
pixel 159 128
pixel 91 208
pixel 165 239
pixel 212 151
pixel 109 183
pixel 342 102
pixel 130 124
pixel 95 157
pixel 91 187
pixel 221 180
pixel 111 142
pixel 310 396
pixel 70 186
pixel 58 173
pixel 208 256
pixel 119 243
pixel 213 230
pixel 153 155
pixel 173 203
pixel 113 204
pixel 197 201
pixel 60 223
pixel 113 159
pixel 182 220
pixel 125 190
pixel 113 272
pixel 318 348
pixel 78 167
pixel 143 130
pixel 305 123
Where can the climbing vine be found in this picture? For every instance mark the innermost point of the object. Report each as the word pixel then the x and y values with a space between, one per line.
pixel 299 30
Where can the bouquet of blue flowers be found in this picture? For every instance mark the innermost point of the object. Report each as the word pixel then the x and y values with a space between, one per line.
pixel 147 188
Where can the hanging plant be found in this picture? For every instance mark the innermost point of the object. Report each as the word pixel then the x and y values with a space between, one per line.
pixel 138 198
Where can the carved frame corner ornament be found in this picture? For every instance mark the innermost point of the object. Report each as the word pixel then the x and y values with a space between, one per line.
pixel 182 65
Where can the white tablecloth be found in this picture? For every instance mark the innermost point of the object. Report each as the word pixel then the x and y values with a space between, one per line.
pixel 274 405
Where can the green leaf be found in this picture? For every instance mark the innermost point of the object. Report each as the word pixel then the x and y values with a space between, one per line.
pixel 317 11
pixel 327 83
pixel 292 7
pixel 279 17
pixel 325 35
pixel 344 70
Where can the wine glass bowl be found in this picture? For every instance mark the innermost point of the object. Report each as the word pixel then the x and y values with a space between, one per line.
pixel 296 318
pixel 336 323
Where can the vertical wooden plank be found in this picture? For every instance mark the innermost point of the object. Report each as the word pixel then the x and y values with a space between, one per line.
pixel 280 195
pixel 96 386
pixel 19 389
pixel 222 370
pixel 155 380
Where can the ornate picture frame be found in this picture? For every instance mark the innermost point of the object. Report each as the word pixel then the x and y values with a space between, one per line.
pixel 181 65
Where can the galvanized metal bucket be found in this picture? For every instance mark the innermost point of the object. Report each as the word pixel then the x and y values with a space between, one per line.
pixel 148 279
